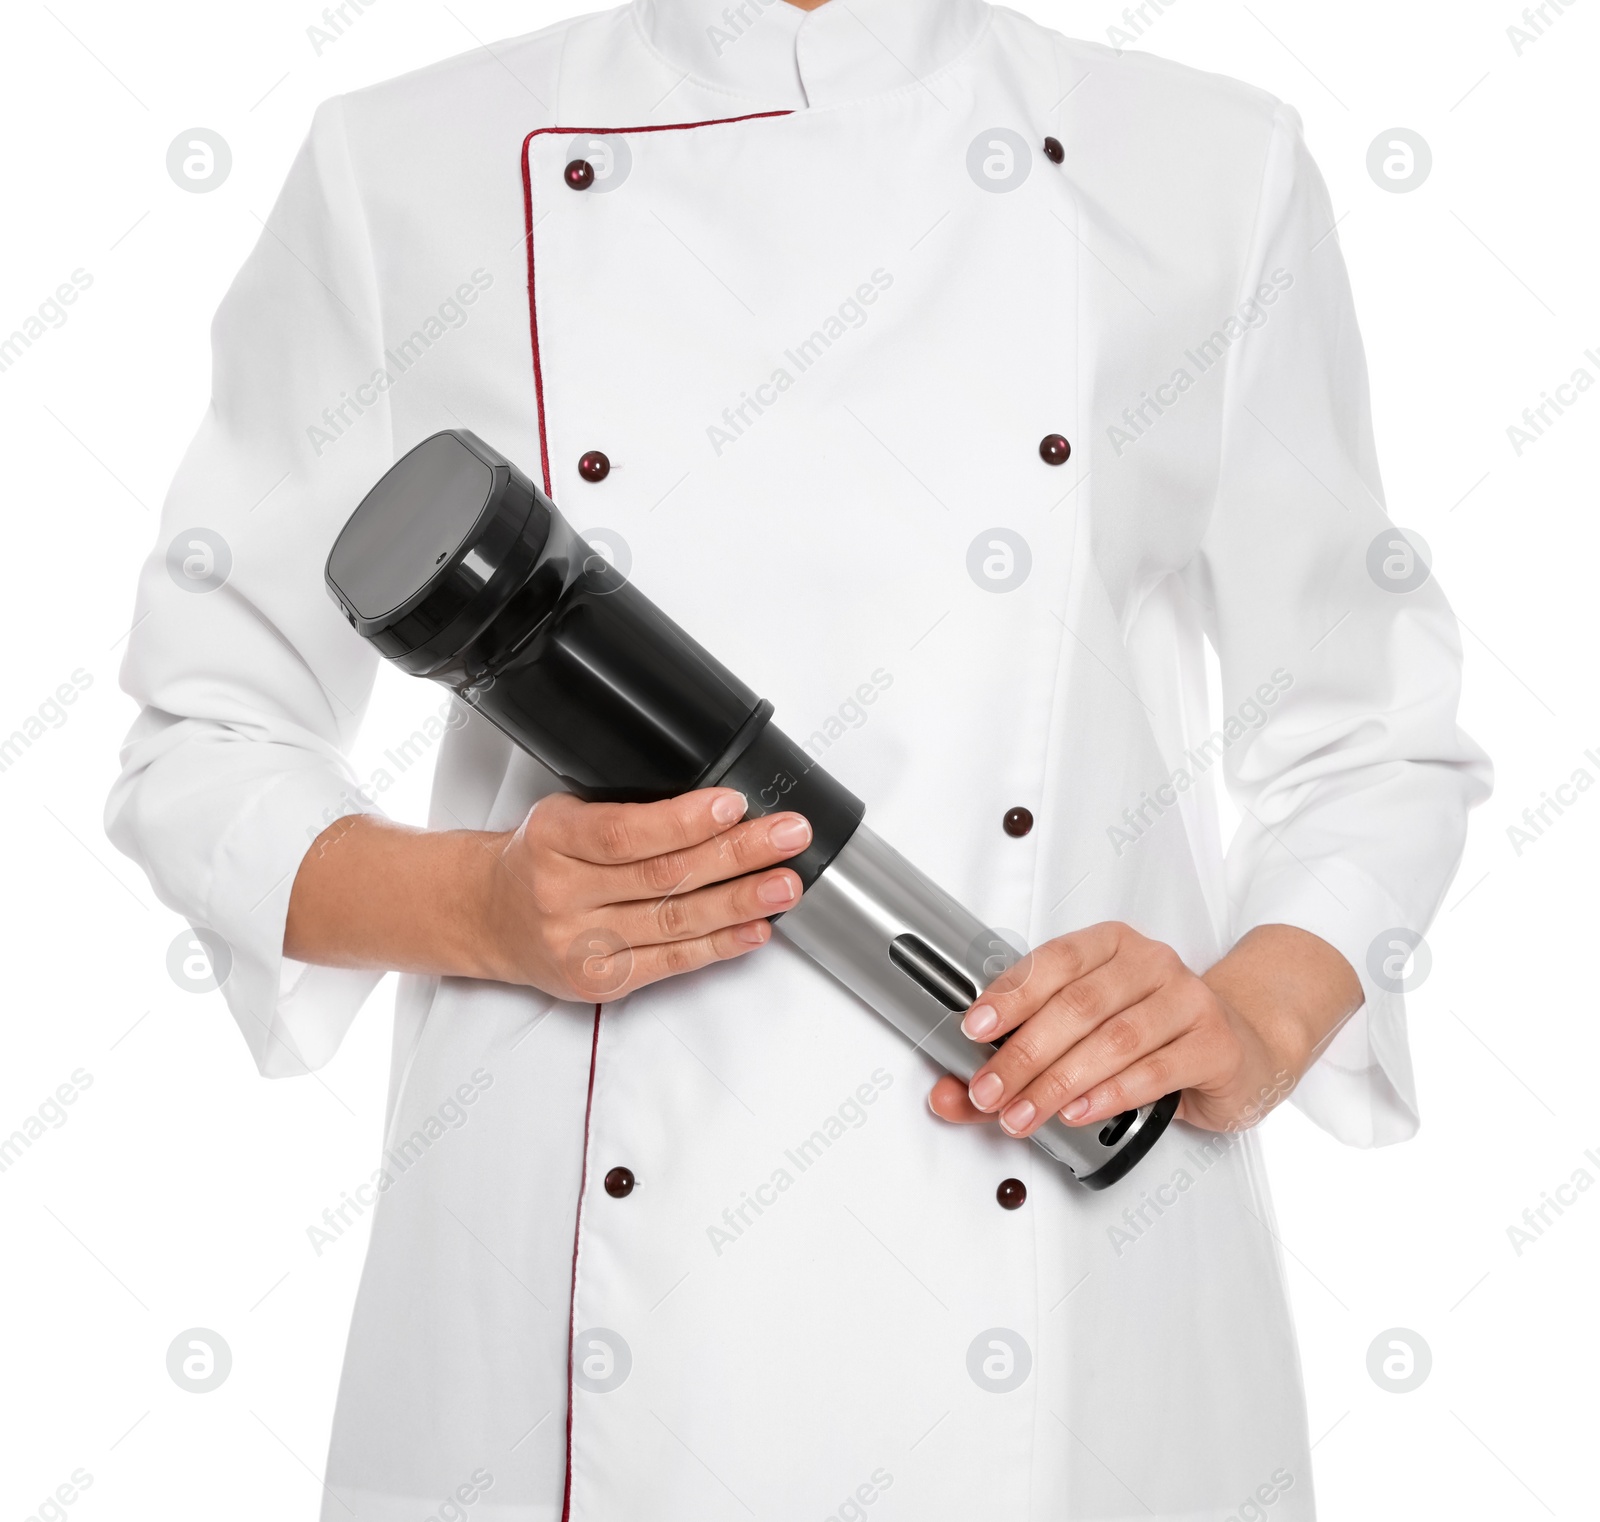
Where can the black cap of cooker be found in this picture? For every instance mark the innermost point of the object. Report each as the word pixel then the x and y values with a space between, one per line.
pixel 436 549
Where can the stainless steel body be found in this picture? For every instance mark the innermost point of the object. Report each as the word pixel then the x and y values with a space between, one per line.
pixel 900 942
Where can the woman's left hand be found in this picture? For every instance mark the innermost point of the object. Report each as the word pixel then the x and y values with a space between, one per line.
pixel 1105 1020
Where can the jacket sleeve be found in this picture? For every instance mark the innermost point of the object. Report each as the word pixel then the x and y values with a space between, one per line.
pixel 251 686
pixel 1354 790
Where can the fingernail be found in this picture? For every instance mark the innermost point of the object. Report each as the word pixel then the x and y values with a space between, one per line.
pixel 789 832
pixel 985 1091
pixel 752 934
pixel 777 890
pixel 728 808
pixel 1077 1109
pixel 1019 1117
pixel 981 1019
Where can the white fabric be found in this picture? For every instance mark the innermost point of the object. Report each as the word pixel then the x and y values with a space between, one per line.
pixel 794 1355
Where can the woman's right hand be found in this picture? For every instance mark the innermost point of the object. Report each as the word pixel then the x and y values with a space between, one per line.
pixel 585 901
pixel 590 901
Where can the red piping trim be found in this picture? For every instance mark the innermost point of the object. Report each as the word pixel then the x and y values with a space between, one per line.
pixel 544 467
pixel 577 1227
pixel 527 214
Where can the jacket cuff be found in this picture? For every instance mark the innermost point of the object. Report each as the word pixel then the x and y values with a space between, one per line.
pixel 293 1015
pixel 1361 1089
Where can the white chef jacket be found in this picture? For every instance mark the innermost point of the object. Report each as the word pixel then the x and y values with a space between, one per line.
pixel 827 294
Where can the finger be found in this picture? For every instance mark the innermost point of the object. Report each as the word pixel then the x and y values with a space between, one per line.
pixel 608 974
pixel 745 848
pixel 1023 989
pixel 687 916
pixel 1105 997
pixel 1179 1065
pixel 1111 1049
pixel 948 1100
pixel 610 833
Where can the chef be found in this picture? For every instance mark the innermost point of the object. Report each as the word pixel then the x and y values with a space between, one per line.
pixel 957 384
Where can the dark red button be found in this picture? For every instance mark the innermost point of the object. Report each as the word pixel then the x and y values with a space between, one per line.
pixel 580 174
pixel 1011 1193
pixel 1054 449
pixel 619 1183
pixel 1017 822
pixel 594 466
pixel 1053 150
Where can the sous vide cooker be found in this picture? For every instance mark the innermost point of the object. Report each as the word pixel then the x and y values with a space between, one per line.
pixel 456 567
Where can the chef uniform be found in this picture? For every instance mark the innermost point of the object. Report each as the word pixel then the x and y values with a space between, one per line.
pixel 952 381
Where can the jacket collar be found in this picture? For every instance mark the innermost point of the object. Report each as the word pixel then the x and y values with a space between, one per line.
pixel 775 55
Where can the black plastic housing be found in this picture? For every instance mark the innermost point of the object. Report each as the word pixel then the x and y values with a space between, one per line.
pixel 458 568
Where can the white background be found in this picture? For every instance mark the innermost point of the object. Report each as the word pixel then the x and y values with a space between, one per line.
pixel 178 1190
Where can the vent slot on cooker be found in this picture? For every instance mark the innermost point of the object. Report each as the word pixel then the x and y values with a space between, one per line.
pixel 931 972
